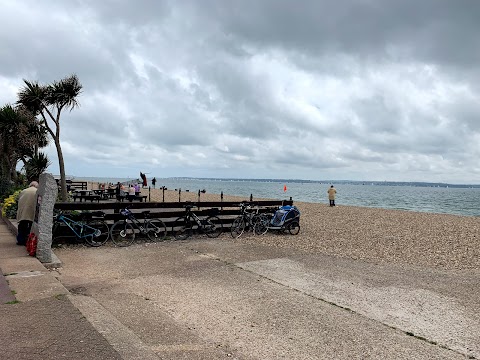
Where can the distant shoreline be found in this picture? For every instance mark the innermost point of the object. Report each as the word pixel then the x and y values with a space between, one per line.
pixel 172 194
pixel 437 200
pixel 293 181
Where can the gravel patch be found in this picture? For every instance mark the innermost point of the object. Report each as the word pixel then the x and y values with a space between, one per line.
pixel 369 234
pixel 384 236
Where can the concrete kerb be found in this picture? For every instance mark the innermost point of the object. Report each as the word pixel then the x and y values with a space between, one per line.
pixel 6 295
pixel 29 278
pixel 13 227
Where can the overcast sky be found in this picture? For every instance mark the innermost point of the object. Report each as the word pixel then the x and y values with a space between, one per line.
pixel 311 89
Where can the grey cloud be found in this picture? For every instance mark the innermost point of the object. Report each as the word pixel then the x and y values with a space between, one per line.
pixel 352 87
pixel 360 27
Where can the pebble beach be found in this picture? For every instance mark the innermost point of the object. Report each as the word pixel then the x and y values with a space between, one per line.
pixel 374 235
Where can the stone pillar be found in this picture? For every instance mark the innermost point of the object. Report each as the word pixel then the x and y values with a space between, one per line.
pixel 42 225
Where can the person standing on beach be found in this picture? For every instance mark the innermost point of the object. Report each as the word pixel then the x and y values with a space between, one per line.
pixel 27 201
pixel 331 195
pixel 154 181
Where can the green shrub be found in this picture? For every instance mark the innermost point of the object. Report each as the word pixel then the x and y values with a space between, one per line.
pixel 6 188
pixel 10 205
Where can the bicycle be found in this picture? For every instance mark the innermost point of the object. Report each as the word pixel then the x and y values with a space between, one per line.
pixel 246 220
pixel 123 231
pixel 262 224
pixel 185 225
pixel 90 228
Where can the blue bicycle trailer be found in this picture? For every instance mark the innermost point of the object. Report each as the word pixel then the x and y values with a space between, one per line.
pixel 286 218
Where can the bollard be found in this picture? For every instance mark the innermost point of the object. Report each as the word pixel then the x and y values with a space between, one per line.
pixel 179 195
pixel 251 197
pixel 163 193
pixel 149 194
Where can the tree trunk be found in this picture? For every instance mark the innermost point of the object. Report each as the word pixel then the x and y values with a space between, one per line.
pixel 13 172
pixel 63 180
pixel 9 169
pixel 5 170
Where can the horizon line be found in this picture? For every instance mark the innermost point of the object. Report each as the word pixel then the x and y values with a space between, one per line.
pixel 284 180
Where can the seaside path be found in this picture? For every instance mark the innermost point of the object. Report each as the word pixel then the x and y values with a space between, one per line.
pixel 211 299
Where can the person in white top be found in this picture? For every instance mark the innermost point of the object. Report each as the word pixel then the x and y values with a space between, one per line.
pixel 131 193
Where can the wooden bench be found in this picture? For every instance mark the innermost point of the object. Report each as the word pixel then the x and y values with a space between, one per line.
pixel 86 197
pixel 102 193
pixel 141 198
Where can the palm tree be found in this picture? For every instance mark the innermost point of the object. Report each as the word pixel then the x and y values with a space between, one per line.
pixel 35 131
pixel 48 101
pixel 20 138
pixel 36 165
pixel 12 126
pixel 5 141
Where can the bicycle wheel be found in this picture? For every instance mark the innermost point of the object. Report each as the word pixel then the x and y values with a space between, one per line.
pixel 99 230
pixel 156 230
pixel 55 229
pixel 122 233
pixel 61 233
pixel 182 229
pixel 213 226
pixel 261 226
pixel 294 227
pixel 255 219
pixel 238 227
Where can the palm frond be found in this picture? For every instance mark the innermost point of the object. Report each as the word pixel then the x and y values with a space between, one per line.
pixel 36 165
pixel 32 96
pixel 64 92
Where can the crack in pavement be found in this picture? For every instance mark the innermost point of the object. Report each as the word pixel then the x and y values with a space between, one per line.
pixel 423 314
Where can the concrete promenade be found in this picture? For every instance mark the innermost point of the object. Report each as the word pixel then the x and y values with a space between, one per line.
pixel 216 299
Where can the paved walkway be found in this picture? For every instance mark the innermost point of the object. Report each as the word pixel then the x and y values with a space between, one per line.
pixel 216 299
pixel 38 321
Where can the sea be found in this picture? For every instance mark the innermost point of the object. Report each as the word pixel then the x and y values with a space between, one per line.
pixel 420 197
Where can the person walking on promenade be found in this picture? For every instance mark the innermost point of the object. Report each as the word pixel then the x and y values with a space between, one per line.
pixel 154 181
pixel 27 201
pixel 331 195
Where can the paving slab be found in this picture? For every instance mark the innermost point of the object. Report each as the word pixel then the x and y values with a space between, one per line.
pixel 420 312
pixel 11 265
pixel 33 285
pixel 6 294
pixel 50 328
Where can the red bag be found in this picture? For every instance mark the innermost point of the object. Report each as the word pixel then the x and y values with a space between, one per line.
pixel 32 244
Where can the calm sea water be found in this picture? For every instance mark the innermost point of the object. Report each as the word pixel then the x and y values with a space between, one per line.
pixel 458 201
